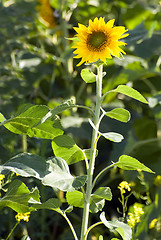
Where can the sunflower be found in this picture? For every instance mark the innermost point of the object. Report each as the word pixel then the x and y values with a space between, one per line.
pixel 98 41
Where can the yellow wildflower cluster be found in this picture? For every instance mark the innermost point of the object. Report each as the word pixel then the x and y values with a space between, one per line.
pixel 134 217
pixel 23 216
pixel 46 14
pixel 124 185
pixel 1 178
pixel 157 180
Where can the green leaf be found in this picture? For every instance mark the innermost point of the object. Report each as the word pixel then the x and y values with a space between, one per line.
pixel 2 118
pixel 18 197
pixel 62 107
pixel 129 163
pixel 103 192
pixel 88 76
pixel 119 114
pixel 96 203
pixel 54 172
pixel 123 229
pixel 75 199
pixel 130 92
pixel 60 177
pixel 64 146
pixel 51 204
pixel 112 136
pixel 26 165
pixel 28 123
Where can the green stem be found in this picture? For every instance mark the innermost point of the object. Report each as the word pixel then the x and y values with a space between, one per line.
pixel 90 228
pixel 90 171
pixel 12 230
pixel 24 143
pixel 102 172
pixel 71 226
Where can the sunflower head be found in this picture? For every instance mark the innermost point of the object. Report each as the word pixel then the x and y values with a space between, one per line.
pixel 98 41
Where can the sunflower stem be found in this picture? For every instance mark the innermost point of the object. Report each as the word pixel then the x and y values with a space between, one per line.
pixel 95 138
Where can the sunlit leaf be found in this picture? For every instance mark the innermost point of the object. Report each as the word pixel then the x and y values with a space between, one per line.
pixel 129 163
pixel 60 176
pixel 130 92
pixel 119 114
pixel 65 147
pixel 27 123
pixel 2 118
pixel 88 76
pixel 75 199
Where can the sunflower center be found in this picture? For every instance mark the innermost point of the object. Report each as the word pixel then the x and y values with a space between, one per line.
pixel 96 41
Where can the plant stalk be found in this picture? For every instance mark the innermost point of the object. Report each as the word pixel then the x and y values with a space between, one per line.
pixel 90 171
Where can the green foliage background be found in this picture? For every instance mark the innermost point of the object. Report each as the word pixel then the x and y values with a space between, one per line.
pixel 37 67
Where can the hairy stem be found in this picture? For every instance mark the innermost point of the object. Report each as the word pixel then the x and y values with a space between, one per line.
pixel 90 171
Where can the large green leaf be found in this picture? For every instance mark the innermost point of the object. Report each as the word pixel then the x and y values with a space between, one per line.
pixel 130 92
pixel 18 197
pixel 88 76
pixel 28 123
pixel 54 172
pixel 65 147
pixel 119 114
pixel 59 176
pixel 129 163
pixel 123 229
pixel 26 165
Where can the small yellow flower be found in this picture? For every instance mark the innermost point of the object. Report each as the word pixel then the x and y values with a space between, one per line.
pixel 135 215
pixel 124 185
pixel 23 216
pixel 98 41
pixel 157 180
pixel 153 223
pixel 1 178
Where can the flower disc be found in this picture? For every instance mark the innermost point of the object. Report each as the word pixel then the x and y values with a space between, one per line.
pixel 98 41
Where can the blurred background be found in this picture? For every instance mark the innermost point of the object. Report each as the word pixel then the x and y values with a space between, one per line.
pixel 37 67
